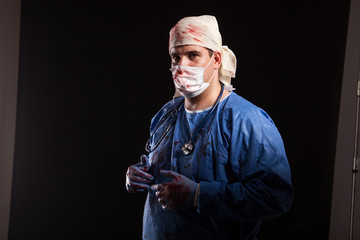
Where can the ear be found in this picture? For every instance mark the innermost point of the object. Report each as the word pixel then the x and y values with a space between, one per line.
pixel 217 59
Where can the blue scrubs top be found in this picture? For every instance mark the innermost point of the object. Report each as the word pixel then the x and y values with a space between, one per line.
pixel 240 162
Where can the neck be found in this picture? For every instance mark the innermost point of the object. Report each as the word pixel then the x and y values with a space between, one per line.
pixel 207 98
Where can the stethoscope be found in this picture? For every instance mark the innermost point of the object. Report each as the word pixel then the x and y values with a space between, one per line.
pixel 170 118
pixel 170 115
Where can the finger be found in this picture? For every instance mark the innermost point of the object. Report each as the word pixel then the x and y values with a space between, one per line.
pixel 139 179
pixel 131 176
pixel 141 173
pixel 160 187
pixel 132 189
pixel 156 187
pixel 166 207
pixel 137 186
pixel 144 169
pixel 138 172
pixel 160 194
pixel 162 201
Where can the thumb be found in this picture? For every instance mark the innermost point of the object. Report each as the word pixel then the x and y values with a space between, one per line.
pixel 144 160
pixel 169 173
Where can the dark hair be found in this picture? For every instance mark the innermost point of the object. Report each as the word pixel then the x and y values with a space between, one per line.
pixel 211 52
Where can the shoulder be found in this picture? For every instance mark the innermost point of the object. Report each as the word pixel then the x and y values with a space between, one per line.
pixel 251 123
pixel 172 104
pixel 240 109
pixel 166 108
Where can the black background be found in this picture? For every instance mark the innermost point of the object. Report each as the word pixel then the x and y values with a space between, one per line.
pixel 93 73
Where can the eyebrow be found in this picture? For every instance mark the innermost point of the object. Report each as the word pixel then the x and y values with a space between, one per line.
pixel 186 53
pixel 193 52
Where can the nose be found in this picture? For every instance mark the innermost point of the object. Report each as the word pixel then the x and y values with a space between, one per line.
pixel 183 61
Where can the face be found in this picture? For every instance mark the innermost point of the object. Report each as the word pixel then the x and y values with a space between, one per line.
pixel 195 56
pixel 189 55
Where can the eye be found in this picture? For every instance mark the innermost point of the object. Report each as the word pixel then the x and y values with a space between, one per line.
pixel 193 55
pixel 175 58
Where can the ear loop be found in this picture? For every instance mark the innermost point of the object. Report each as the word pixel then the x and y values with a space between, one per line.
pixel 212 76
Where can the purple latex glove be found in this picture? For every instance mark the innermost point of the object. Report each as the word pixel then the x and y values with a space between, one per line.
pixel 137 176
pixel 178 193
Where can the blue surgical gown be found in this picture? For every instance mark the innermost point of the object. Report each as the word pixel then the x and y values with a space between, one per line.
pixel 240 162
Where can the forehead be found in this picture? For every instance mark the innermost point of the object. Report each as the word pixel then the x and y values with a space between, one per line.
pixel 187 48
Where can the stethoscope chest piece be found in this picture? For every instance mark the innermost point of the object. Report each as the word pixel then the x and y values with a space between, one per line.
pixel 187 148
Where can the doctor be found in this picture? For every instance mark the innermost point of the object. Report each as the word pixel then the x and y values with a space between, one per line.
pixel 220 167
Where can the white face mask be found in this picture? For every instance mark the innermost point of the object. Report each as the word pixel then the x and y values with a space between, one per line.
pixel 189 81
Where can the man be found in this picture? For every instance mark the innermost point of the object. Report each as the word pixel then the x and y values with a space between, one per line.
pixel 217 165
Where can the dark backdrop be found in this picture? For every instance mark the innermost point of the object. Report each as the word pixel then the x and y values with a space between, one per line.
pixel 93 73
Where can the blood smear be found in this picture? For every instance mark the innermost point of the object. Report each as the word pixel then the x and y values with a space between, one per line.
pixel 195 30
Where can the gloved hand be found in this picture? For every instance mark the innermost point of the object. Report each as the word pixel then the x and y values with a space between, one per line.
pixel 178 193
pixel 137 178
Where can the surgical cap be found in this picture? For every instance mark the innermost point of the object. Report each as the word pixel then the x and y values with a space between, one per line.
pixel 204 31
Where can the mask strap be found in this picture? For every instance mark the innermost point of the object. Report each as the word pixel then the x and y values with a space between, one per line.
pixel 213 71
pixel 209 62
pixel 211 77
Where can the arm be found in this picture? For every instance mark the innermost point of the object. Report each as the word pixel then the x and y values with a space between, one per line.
pixel 263 187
